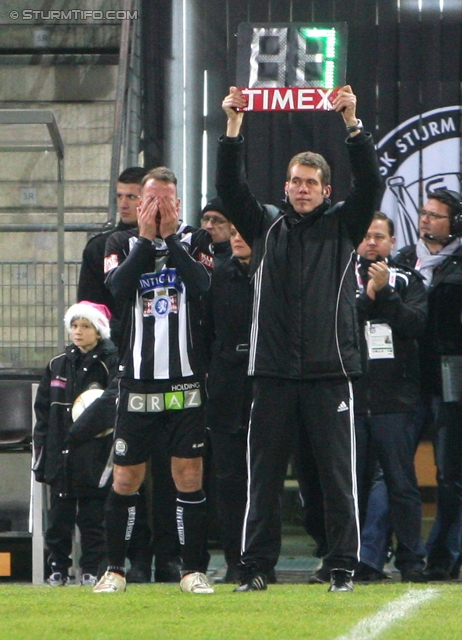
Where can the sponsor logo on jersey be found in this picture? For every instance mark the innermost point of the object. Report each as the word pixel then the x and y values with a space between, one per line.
pixel 111 262
pixel 165 279
pixel 169 401
pixel 342 407
pixel 206 259
pixel 186 386
pixel 160 306
pixel 419 155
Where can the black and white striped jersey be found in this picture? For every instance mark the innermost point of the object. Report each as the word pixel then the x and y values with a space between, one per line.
pixel 158 287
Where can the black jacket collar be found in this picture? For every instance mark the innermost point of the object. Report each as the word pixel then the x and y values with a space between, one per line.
pixel 123 226
pixel 294 218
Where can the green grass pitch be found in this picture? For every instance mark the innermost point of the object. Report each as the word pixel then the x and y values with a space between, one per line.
pixel 284 612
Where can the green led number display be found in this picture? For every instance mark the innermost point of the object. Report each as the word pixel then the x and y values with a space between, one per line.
pixel 291 55
pixel 317 52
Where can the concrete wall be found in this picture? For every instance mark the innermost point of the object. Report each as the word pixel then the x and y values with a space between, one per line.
pixel 69 67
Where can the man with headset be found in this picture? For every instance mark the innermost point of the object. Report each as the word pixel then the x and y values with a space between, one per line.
pixel 438 257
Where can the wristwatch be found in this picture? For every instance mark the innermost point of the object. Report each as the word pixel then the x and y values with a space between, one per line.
pixel 355 127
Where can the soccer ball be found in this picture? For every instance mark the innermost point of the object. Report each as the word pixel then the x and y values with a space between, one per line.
pixel 84 400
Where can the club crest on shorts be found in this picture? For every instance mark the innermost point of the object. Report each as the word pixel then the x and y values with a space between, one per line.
pixel 120 447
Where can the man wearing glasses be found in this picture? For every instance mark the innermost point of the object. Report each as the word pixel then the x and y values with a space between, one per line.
pixel 219 228
pixel 438 256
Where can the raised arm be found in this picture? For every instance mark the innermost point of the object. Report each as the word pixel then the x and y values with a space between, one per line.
pixel 156 217
pixel 361 202
pixel 123 270
pixel 241 206
pixel 233 101
pixel 345 103
pixel 195 275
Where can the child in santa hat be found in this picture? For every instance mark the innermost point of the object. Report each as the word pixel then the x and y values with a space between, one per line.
pixel 78 475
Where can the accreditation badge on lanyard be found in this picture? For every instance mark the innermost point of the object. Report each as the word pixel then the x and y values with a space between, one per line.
pixel 379 338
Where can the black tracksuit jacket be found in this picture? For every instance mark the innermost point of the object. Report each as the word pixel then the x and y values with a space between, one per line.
pixel 91 278
pixel 304 319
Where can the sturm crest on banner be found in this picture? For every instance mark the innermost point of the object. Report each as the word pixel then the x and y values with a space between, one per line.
pixel 421 154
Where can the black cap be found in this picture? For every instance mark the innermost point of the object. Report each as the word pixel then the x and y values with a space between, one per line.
pixel 215 204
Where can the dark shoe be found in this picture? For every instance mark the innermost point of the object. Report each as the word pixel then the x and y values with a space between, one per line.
pixel 365 573
pixel 257 582
pixel 58 579
pixel 437 574
pixel 321 576
pixel 139 573
pixel 231 576
pixel 341 580
pixel 455 571
pixel 168 571
pixel 88 580
pixel 271 576
pixel 414 575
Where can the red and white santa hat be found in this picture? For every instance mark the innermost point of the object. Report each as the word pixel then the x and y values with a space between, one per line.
pixel 98 314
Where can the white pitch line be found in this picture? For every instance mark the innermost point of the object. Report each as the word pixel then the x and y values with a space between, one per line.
pixel 372 626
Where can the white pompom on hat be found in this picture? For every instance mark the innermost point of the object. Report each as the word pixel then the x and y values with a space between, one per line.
pixel 98 314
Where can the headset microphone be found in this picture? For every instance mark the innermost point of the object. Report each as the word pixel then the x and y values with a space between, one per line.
pixel 439 239
pixel 451 199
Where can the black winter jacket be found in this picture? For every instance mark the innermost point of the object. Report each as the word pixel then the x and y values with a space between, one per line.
pixel 391 385
pixel 91 279
pixel 443 335
pixel 229 388
pixel 304 320
pixel 66 468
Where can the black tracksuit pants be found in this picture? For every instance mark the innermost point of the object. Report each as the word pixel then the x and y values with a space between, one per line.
pixel 281 410
pixel 229 458
pixel 87 512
